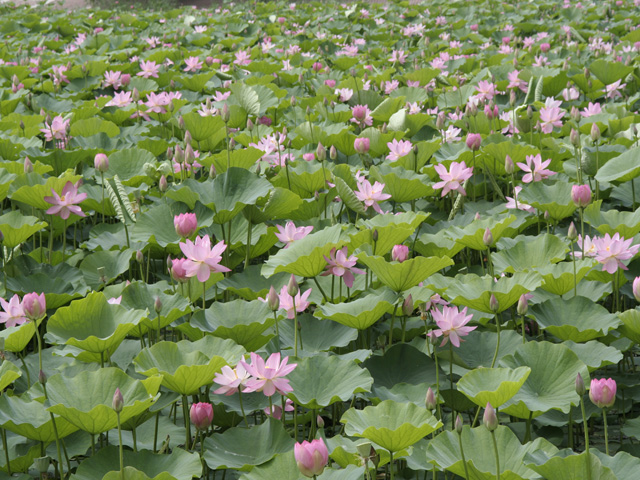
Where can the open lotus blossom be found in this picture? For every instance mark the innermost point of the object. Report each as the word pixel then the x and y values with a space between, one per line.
pixel 516 82
pixel 453 179
pixel 371 194
pixel 515 203
pixel 267 377
pixel 398 149
pixel 589 247
pixel 66 203
pixel 287 301
pixel 14 313
pixel 536 169
pixel 549 118
pixel 344 94
pixel 57 129
pixel 342 265
pixel 120 99
pixel 613 90
pixel 486 90
pixel 202 259
pixel 612 251
pixel 231 379
pixel 591 110
pixel 290 233
pixel 451 323
pixel 148 69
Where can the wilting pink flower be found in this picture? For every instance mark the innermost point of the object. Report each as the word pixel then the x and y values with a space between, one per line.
pixel 570 94
pixel 516 82
pixel 202 259
pixel 371 194
pixel 201 415
pixel 287 301
pixel 603 392
pixel 361 115
pixel 549 118
pixel 185 224
pixel 268 377
pixel 193 64
pixel 398 149
pixel 65 204
pixel 148 69
pixel 276 411
pixel 454 178
pixel 612 90
pixel 362 145
pixel 13 314
pixel 581 195
pixel 515 203
pixel 342 265
pixel 311 457
pixel 231 380
pixel 290 233
pixel 34 306
pixel 611 251
pixel 536 169
pixel 452 324
pixel 399 253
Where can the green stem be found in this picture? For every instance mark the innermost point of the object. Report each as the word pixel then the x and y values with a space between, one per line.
pixel 393 319
pixel 248 256
pixel 392 474
pixel 121 447
pixel 187 423
pixel 275 317
pixel 464 460
pixel 495 355
pixel 204 294
pixel 6 450
pixel 438 409
pixel 575 278
pixel 453 406
pixel 324 295
pixel 606 433
pixel 295 328
pixel 586 437
pixel 524 338
pixel 495 449
pixel 242 408
pixel 102 185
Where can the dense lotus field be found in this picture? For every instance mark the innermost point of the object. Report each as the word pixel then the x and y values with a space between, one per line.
pixel 340 241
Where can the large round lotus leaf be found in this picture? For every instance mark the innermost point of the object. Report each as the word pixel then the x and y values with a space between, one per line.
pixel 621 169
pixel 86 400
pixel 471 235
pixel 8 373
pixel 92 324
pixel 16 228
pixel 568 466
pixel 551 384
pixel 22 452
pixel 480 347
pixel 392 230
pixel 305 257
pixel 391 425
pixel 475 292
pixel 402 363
pixel 630 327
pixel 186 366
pixel 622 464
pixel 361 313
pixel 113 263
pixel 436 244
pixel 241 448
pixel 478 448
pixel 315 335
pixel 32 420
pixel 250 284
pixel 627 224
pixel 560 279
pixel 555 199
pixel 321 381
pixel 31 189
pixel 178 465
pixel 579 319
pixel 238 320
pixel 284 467
pixel 530 252
pixel 401 276
pixel 492 385
pixel 595 354
pixel 16 338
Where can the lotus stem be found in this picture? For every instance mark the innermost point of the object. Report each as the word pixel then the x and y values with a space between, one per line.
pixel 391 474
pixel 393 319
pixel 248 256
pixel 324 295
pixel 495 355
pixel 495 449
pixel 120 446
pixel 6 450
pixel 438 409
pixel 275 317
pixel 295 327
pixel 606 433
pixel 464 460
pixel 586 437
pixel 204 295
pixel 187 423
pixel 575 278
pixel 102 185
pixel 453 403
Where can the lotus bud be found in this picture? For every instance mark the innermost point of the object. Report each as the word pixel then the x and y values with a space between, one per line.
pixel 212 171
pixel 101 162
pixel 508 165
pixel 178 155
pixel 187 135
pixel 294 101
pixel 487 238
pixel 118 401
pixel 273 301
pixel 512 98
pixel 399 253
pixel 157 305
pixel 546 215
pixel 201 415
pixel 430 400
pixel 169 153
pixel 162 184
pixel 292 286
pixel 320 421
pixel 494 305
pixel 587 73
pixel 575 114
pixel 602 392
pixel 476 216
pixel 362 145
pixel 595 132
pixel 42 377
pixel 189 154
pixel 581 195
pixel 440 120
pixel 574 136
pixel 321 153
pixel 374 235
pixel 249 125
pixel 572 234
pixel 474 140
pixel 458 425
pixel 225 114
pixel 34 306
pixel 311 457
pixel 333 153
pixel 135 95
pixel 580 388
pixel 636 289
pixel 489 418
pixel 529 112
pixel 139 256
pixel 384 128
pixel 523 305
pixel 22 125
pixel 407 306
pixel 28 165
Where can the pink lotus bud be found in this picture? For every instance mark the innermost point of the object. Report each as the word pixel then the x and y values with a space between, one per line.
pixel 494 305
pixel 118 401
pixel 574 137
pixel 201 415
pixel 474 27
pixel 139 256
pixel 320 421
pixel 28 165
pixel 399 253
pixel 488 111
pixel 489 418
pixel 157 305
pixel 273 301
pixel 317 66
pixel 225 114
pixel 487 238
pixel 292 286
pixel 575 114
pixel 476 216
pixel 458 424
pixel 101 162
pixel 440 120
pixel 580 388
pixel 331 83
pixel 333 153
pixel 321 152
pixel 545 47
pixel 636 289
pixel 162 184
pixel 506 40
pixel 572 233
pixel 430 400
pixel 581 195
pixel 185 224
pixel 362 145
pixel 311 457
pixel 603 392
pixel 178 272
pixel 523 305
pixel 595 132
pixel 474 140
pixel 34 306
pixel 281 20
pixel 508 165
pixel 407 306
pixel 125 79
pixel 308 157
pixel 209 60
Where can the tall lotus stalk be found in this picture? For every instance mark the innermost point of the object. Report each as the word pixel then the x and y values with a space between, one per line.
pixel 603 395
pixel 118 405
pixel 490 421
pixel 581 390
pixel 458 427
pixel 494 306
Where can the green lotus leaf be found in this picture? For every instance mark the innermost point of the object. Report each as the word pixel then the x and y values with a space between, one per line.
pixel 402 363
pixel 22 452
pixel 8 373
pixel 404 275
pixel 560 279
pixel 284 467
pixel 17 228
pixel 475 292
pixel 348 196
pixel 113 263
pixel 471 235
pixel 567 466
pixel 233 190
pixel 250 284
pixel 315 335
pixel 578 318
pixel 551 384
pixel 480 457
pixel 403 185
pixel 609 72
pixel 203 128
pixel 32 420
pixel 630 327
pixel 555 199
pixel 305 257
pixel 437 244
pixel 392 230
pixel 627 224
pixel 391 425
pixel 31 189
pixel 241 448
pixel 238 320
pixel 320 381
pixel 480 347
pixel 186 366
pixel 17 338
pixel 92 324
pixel 631 428
pixel 155 226
pixel 494 155
pixel 178 465
pixel 279 205
pixel 196 83
pixel 594 354
pixel 128 164
pixel 303 179
pixel 91 126
pixel 361 313
pixel 86 400
pixel 244 159
pixel 529 253
pixel 622 464
pixel 492 385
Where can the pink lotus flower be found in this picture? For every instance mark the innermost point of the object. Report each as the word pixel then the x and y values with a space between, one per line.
pixel 362 145
pixel 549 118
pixel 185 224
pixel 120 99
pixel 148 69
pixel 516 82
pixel 474 140
pixel 243 57
pixel 398 149
pixel 178 271
pixel 287 301
pixel 361 116
pixel 535 168
pixel 34 306
pixel 112 79
pixel 311 457
pixel 592 109
pixel 603 392
pixel 290 233
pixel 612 90
pixel 65 204
pixel 452 324
pixel 398 56
pixel 13 314
pixel 636 289
pixel 486 90
pixel 202 259
pixel 57 129
pixel 611 251
pixel 399 253
pixel 201 415
pixel 581 195
pixel 515 203
pixel 342 265
pixel 589 247
pixel 231 379
pixel 193 64
pixel 344 94
pixel 371 194
pixel 267 377
pixel 454 178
